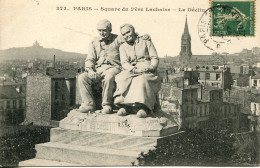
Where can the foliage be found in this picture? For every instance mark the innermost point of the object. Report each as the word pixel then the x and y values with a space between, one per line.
pixel 21 146
pixel 246 149
pixel 243 81
pixel 193 148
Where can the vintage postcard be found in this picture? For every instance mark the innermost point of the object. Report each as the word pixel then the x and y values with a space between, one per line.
pixel 129 82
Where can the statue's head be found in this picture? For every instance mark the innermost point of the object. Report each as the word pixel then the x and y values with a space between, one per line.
pixel 104 28
pixel 128 32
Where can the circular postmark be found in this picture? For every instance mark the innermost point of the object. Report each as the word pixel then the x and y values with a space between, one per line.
pixel 219 26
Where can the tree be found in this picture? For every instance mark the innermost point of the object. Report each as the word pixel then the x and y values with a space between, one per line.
pixel 243 81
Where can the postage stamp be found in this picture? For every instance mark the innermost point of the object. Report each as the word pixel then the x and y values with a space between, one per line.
pixel 233 18
pixel 214 43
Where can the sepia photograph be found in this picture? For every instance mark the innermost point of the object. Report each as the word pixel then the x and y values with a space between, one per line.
pixel 129 83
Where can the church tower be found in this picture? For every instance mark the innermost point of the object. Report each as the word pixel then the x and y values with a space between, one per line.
pixel 185 53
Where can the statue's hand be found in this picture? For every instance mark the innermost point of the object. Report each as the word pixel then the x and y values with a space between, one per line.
pixel 92 74
pixel 150 69
pixel 138 71
pixel 147 37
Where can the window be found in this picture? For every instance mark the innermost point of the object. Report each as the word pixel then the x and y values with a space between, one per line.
pixel 20 104
pixel 8 104
pixel 225 110
pixel 217 76
pixel 1 105
pixel 207 75
pixel 57 86
pixel 255 82
pixel 14 104
pixel 232 110
pixel 235 110
pixel 220 95
pixel 198 111
pixel 185 97
pixel 254 108
pixel 206 110
pixel 63 97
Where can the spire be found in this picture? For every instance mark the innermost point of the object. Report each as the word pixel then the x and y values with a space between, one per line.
pixel 186 34
pixel 186 29
pixel 185 44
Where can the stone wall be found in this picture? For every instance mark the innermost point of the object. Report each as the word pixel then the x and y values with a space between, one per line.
pixel 38 99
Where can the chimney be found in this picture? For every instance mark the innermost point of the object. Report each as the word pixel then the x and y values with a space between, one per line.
pixel 54 61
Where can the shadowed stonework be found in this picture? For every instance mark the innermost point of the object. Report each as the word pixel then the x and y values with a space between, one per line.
pixel 97 139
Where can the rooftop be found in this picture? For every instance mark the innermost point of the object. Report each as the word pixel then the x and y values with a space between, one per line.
pixel 58 73
pixel 9 92
pixel 257 76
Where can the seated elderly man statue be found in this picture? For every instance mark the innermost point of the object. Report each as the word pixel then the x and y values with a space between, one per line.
pixel 102 64
pixel 138 84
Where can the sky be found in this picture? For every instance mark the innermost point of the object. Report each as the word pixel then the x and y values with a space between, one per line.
pixel 24 21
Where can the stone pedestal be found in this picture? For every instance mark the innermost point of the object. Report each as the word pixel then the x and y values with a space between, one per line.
pixel 102 140
pixel 126 125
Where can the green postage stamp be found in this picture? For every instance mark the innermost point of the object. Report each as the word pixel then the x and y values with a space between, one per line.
pixel 233 17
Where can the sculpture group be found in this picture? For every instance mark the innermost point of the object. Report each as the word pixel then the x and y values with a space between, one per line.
pixel 126 65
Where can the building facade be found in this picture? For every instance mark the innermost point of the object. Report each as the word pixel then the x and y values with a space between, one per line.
pixel 199 108
pixel 12 105
pixel 215 76
pixel 255 81
pixel 49 96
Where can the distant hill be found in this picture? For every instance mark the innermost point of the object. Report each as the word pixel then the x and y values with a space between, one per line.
pixel 37 51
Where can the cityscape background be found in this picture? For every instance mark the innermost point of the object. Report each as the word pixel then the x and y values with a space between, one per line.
pixel 72 30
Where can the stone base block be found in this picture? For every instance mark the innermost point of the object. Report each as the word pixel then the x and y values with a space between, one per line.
pixel 44 163
pixel 157 126
pixel 103 140
pixel 85 155
pixel 87 148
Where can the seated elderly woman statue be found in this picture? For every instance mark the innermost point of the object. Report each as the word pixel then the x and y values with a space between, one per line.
pixel 138 84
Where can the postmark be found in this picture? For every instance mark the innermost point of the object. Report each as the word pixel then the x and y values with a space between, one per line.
pixel 233 18
pixel 214 43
